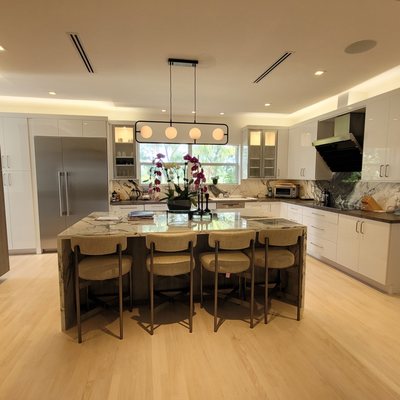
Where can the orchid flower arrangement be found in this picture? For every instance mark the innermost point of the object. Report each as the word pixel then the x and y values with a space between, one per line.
pixel 184 182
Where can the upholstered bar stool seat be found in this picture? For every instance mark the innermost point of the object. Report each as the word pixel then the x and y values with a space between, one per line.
pixel 277 258
pixel 228 262
pixel 99 258
pixel 171 254
pixel 167 264
pixel 101 268
pixel 228 258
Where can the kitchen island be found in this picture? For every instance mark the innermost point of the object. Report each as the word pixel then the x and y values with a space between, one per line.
pixel 136 232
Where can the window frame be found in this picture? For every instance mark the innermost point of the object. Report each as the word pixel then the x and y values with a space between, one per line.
pixel 235 164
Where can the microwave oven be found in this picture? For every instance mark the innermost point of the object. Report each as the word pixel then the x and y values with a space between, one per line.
pixel 290 191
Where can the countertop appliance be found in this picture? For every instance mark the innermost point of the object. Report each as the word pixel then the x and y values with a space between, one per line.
pixel 72 182
pixel 286 190
pixel 342 152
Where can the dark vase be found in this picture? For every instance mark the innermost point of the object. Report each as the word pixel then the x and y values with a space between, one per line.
pixel 179 204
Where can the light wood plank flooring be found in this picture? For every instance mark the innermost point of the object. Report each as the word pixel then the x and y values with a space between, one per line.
pixel 347 346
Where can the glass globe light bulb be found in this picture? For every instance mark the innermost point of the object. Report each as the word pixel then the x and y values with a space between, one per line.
pixel 218 134
pixel 171 132
pixel 146 132
pixel 195 133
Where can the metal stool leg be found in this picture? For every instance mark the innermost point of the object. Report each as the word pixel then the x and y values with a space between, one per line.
pixel 121 328
pixel 130 291
pixel 151 303
pixel 77 297
pixel 215 300
pixel 191 295
pixel 201 286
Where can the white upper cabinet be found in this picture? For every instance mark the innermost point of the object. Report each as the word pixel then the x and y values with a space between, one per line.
pixel 282 155
pixel 43 126
pixel 73 127
pixel 14 144
pixel 392 167
pixel 70 127
pixel 303 160
pixel 259 152
pixel 381 161
pixel 94 128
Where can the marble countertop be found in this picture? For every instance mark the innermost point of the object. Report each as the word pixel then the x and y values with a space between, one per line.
pixel 254 219
pixel 380 217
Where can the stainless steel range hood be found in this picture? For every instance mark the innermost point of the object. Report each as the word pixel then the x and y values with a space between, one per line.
pixel 342 152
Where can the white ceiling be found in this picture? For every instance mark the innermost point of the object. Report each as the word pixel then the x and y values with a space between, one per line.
pixel 129 42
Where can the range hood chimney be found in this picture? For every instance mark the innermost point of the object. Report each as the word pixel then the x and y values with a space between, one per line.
pixel 342 152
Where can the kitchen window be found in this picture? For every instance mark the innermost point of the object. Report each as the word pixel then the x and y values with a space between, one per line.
pixel 217 160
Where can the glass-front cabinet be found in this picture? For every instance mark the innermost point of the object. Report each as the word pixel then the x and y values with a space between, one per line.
pixel 124 152
pixel 259 153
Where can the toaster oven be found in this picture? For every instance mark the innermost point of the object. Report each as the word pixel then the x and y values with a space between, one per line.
pixel 290 191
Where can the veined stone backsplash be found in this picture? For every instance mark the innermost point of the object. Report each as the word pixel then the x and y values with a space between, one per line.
pixel 346 190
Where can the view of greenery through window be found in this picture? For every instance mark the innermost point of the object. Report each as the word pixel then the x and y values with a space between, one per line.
pixel 221 161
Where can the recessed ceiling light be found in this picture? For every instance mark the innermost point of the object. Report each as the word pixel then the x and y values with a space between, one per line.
pixel 319 73
pixel 360 47
pixel 193 112
pixel 221 113
pixel 163 110
pixel 53 93
pixel 267 104
pixel 2 48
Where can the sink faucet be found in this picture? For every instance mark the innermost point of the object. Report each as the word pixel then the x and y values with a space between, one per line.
pixel 216 191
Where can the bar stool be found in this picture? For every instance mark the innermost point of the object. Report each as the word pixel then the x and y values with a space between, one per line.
pixel 228 258
pixel 171 254
pixel 103 260
pixel 278 253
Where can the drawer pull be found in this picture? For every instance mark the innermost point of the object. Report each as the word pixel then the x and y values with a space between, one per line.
pixel 316 245
pixel 315 227
pixel 319 215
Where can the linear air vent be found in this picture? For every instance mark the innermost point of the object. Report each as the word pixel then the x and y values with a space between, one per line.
pixel 279 61
pixel 81 51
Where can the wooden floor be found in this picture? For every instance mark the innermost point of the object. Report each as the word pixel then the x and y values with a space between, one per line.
pixel 347 346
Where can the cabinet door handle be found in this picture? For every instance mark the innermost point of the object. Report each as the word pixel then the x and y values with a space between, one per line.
pixel 380 171
pixel 316 227
pixel 8 161
pixel 9 179
pixel 357 227
pixel 66 192
pixel 59 174
pixel 3 164
pixel 4 179
pixel 319 215
pixel 316 245
pixel 361 227
pixel 387 170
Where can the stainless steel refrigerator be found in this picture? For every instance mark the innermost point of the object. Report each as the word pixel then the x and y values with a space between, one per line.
pixel 72 182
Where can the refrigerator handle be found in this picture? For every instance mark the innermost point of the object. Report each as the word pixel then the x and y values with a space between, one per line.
pixel 59 174
pixel 66 192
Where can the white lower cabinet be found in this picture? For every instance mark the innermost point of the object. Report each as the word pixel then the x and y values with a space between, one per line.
pixel 19 210
pixel 156 207
pixel 272 208
pixel 295 213
pixel 363 246
pixel 126 207
pixel 322 230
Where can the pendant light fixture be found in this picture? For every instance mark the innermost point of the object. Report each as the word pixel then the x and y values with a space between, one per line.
pixel 216 132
